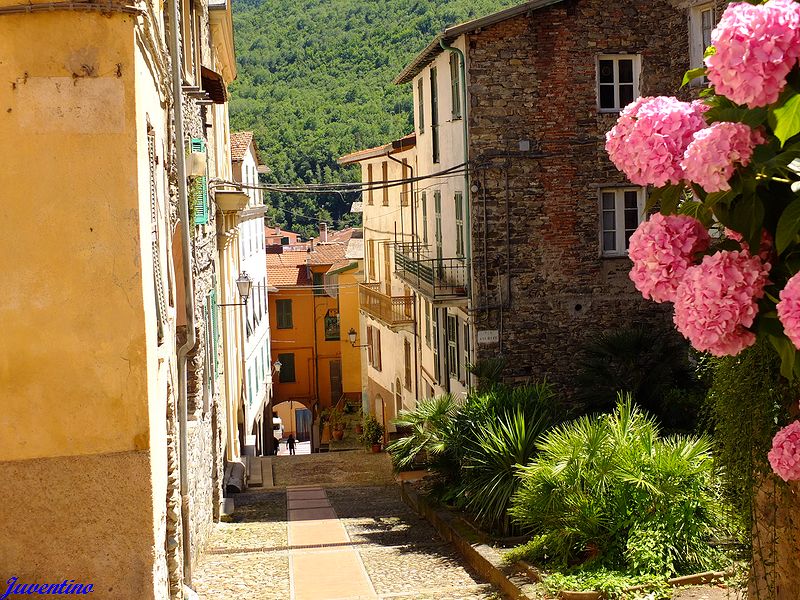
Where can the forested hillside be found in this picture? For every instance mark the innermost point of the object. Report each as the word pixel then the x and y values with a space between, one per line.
pixel 315 82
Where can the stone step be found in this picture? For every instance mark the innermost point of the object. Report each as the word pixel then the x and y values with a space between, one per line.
pixel 254 476
pixel 267 475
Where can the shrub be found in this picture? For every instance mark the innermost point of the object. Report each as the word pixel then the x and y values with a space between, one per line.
pixel 607 490
pixel 373 431
pixel 475 447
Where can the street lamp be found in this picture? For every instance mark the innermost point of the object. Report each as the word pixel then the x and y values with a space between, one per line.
pixel 276 366
pixel 353 336
pixel 244 285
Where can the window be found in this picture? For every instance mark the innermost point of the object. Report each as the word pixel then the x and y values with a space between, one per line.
pixel 434 118
pixel 387 270
pixel 407 363
pixel 452 348
pixel 437 363
pixel 331 329
pixel 437 220
pixel 373 275
pixel 370 353
pixel 287 374
pixel 250 396
pixel 370 191
pixel 428 323
pixel 621 210
pixel 318 279
pixel 467 358
pixel 459 224
pixel 376 352
pixel 617 81
pixel 455 87
pixel 404 188
pixel 424 218
pixel 702 20
pixel 385 172
pixel 421 105
pixel 199 189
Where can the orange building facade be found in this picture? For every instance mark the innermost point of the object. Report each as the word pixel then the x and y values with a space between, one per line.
pixel 313 303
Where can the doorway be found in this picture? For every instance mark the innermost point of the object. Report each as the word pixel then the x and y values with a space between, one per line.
pixel 303 421
pixel 336 381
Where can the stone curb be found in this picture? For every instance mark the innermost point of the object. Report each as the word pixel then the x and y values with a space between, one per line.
pixel 485 560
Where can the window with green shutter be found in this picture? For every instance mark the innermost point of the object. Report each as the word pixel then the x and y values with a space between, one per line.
pixel 199 189
pixel 287 374
pixel 284 310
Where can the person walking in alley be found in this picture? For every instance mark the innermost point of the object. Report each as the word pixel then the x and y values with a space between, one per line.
pixel 290 444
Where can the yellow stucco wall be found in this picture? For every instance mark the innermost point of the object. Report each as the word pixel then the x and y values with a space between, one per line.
pixel 348 314
pixel 72 362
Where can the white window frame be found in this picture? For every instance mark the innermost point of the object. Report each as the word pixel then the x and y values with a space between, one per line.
pixel 637 69
pixel 697 47
pixel 619 217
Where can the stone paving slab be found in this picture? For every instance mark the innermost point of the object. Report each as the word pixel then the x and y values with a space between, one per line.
pixel 329 574
pixel 305 494
pixel 312 514
pixel 324 531
pixel 312 503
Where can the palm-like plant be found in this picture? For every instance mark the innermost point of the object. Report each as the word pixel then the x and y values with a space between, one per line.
pixel 608 488
pixel 430 427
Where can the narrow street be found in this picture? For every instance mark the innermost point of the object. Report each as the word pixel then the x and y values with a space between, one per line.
pixel 319 542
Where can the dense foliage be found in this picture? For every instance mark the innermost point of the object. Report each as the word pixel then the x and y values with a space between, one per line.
pixel 747 399
pixel 315 83
pixel 475 446
pixel 609 491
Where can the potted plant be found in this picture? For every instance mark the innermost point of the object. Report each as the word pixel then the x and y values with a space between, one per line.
pixel 373 433
pixel 359 426
pixel 336 420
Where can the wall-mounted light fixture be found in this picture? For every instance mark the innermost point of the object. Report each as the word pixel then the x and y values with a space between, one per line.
pixel 276 366
pixel 244 285
pixel 353 336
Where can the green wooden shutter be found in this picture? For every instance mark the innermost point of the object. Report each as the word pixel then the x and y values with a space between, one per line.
pixel 200 190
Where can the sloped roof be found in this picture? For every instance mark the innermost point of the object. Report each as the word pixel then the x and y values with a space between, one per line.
pixel 240 142
pixel 288 268
pixel 404 143
pixel 450 34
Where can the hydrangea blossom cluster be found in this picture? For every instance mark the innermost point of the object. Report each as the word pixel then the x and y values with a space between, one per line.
pixel 651 136
pixel 714 152
pixel 765 248
pixel 661 250
pixel 789 309
pixel 715 301
pixel 755 48
pixel 785 454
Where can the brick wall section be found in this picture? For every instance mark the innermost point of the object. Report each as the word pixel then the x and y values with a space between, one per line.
pixel 533 78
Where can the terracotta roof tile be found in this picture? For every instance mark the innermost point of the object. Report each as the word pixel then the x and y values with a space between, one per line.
pixel 287 269
pixel 240 141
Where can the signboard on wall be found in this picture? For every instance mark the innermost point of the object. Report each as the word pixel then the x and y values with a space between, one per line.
pixel 488 336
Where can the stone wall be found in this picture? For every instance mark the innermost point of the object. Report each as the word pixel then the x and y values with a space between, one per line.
pixel 537 138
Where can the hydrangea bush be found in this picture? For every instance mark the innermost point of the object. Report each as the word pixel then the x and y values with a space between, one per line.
pixel 728 163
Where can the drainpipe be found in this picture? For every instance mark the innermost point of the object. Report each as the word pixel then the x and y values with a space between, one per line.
pixel 188 287
pixel 462 61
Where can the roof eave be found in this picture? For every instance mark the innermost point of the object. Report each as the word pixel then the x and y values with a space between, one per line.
pixel 450 34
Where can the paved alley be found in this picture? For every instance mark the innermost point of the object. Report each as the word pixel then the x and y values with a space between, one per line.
pixel 325 543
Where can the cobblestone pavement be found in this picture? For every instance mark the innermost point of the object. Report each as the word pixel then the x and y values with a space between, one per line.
pixel 401 553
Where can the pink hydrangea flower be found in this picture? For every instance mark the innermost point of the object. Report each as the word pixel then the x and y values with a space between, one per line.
pixel 789 309
pixel 661 250
pixel 712 156
pixel 765 249
pixel 785 454
pixel 756 47
pixel 715 302
pixel 649 139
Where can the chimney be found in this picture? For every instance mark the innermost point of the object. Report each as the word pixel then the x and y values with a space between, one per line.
pixel 277 230
pixel 323 232
pixel 311 247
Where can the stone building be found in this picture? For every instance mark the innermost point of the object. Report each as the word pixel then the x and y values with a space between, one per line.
pixel 109 373
pixel 522 222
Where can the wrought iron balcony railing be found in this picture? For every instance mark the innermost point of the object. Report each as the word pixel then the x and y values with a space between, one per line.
pixel 436 278
pixel 392 310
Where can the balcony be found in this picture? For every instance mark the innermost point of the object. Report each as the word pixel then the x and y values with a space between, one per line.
pixel 435 278
pixel 391 310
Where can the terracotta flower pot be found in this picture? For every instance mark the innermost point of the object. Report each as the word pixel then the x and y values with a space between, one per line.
pixel 359 428
pixel 376 448
pixel 338 434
